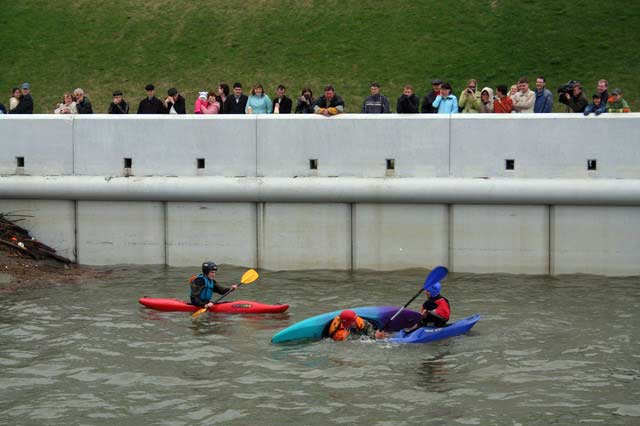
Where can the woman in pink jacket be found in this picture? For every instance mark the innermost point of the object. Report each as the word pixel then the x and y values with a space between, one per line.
pixel 212 106
pixel 200 102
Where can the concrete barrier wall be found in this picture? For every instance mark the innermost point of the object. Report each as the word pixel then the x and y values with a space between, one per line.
pixel 438 214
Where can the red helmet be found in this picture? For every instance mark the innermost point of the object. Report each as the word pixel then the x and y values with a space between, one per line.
pixel 348 316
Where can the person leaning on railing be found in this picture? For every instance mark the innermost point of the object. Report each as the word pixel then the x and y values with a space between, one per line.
pixel 330 103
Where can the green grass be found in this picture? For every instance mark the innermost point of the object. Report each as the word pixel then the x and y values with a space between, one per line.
pixel 58 45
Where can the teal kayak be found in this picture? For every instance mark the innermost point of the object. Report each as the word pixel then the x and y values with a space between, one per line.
pixel 314 328
pixel 429 334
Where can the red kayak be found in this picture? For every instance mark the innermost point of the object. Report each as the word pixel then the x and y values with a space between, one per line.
pixel 236 307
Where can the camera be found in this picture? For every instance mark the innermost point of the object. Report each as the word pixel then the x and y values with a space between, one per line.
pixel 568 87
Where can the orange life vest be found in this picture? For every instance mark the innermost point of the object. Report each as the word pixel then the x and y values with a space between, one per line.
pixel 338 332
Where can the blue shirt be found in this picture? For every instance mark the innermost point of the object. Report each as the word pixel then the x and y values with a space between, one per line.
pixel 448 105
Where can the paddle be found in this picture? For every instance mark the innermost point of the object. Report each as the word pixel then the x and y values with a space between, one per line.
pixel 247 278
pixel 437 274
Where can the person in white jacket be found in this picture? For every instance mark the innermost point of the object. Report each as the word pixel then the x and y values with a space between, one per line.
pixel 524 99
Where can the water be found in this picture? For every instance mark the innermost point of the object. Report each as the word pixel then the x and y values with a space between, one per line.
pixel 548 351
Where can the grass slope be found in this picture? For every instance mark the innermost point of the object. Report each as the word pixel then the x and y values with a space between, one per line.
pixel 58 45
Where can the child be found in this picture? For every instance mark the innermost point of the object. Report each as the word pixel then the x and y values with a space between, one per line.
pixel 615 103
pixel 595 106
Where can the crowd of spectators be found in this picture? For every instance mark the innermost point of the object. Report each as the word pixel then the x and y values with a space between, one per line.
pixel 440 100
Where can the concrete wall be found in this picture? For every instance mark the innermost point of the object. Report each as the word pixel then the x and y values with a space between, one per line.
pixel 277 225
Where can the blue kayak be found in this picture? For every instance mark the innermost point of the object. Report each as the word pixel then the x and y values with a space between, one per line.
pixel 429 334
pixel 314 328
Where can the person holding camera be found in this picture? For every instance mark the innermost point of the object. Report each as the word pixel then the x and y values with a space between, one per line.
pixel 408 101
pixel 572 96
pixel 469 100
pixel 305 102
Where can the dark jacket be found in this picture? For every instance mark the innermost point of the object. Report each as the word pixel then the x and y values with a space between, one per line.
pixel 25 106
pixel 197 285
pixel 604 98
pixel 84 107
pixel 438 313
pixel 408 104
pixel 3 110
pixel 336 102
pixel 376 104
pixel 121 108
pixel 576 105
pixel 305 106
pixel 237 106
pixel 285 104
pixel 179 105
pixel 151 106
pixel 224 105
pixel 427 103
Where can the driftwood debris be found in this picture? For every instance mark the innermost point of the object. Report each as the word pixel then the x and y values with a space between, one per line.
pixel 18 239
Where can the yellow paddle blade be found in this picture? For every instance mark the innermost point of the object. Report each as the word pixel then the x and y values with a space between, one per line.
pixel 248 277
pixel 197 313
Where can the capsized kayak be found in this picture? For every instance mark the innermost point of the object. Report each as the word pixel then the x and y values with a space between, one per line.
pixel 314 328
pixel 429 334
pixel 233 307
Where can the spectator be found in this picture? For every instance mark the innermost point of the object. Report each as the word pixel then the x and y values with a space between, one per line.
pixel 513 90
pixel 469 99
pixel 282 104
pixel 67 106
pixel 223 98
pixel 3 109
pixel 14 100
pixel 596 106
pixel 486 100
pixel 82 102
pixel 524 98
pixel 212 106
pixel 603 86
pixel 330 103
pixel 427 103
pixel 201 101
pixel 616 103
pixel 572 96
pixel 376 103
pixel 174 102
pixel 239 101
pixel 305 102
pixel 445 102
pixel 258 102
pixel 151 104
pixel 118 105
pixel 502 104
pixel 25 104
pixel 544 98
pixel 407 102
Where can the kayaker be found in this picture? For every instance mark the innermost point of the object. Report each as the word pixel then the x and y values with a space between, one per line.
pixel 347 323
pixel 435 310
pixel 204 285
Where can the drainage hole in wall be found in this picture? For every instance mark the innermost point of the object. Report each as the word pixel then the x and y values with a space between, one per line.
pixel 509 164
pixel 200 162
pixel 591 164
pixel 20 161
pixel 127 163
pixel 391 164
pixel 313 164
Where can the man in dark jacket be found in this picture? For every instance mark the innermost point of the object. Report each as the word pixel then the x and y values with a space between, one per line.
pixel 238 101
pixel 377 103
pixel 427 103
pixel 407 102
pixel 603 91
pixel 282 104
pixel 329 104
pixel 151 104
pixel 118 105
pixel 174 103
pixel 25 106
pixel 82 102
pixel 575 100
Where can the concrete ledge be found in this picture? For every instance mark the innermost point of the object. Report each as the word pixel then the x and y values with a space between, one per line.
pixel 613 192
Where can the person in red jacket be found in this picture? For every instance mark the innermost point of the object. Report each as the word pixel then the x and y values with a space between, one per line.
pixel 502 104
pixel 349 323
pixel 435 310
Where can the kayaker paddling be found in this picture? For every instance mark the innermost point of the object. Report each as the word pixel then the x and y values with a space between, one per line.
pixel 204 285
pixel 349 323
pixel 435 310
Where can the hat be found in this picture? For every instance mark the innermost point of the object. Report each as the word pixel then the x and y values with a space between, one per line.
pixel 375 84
pixel 436 81
pixel 117 93
pixel 26 86
pixel 616 91
pixel 348 316
pixel 203 95
pixel 150 87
